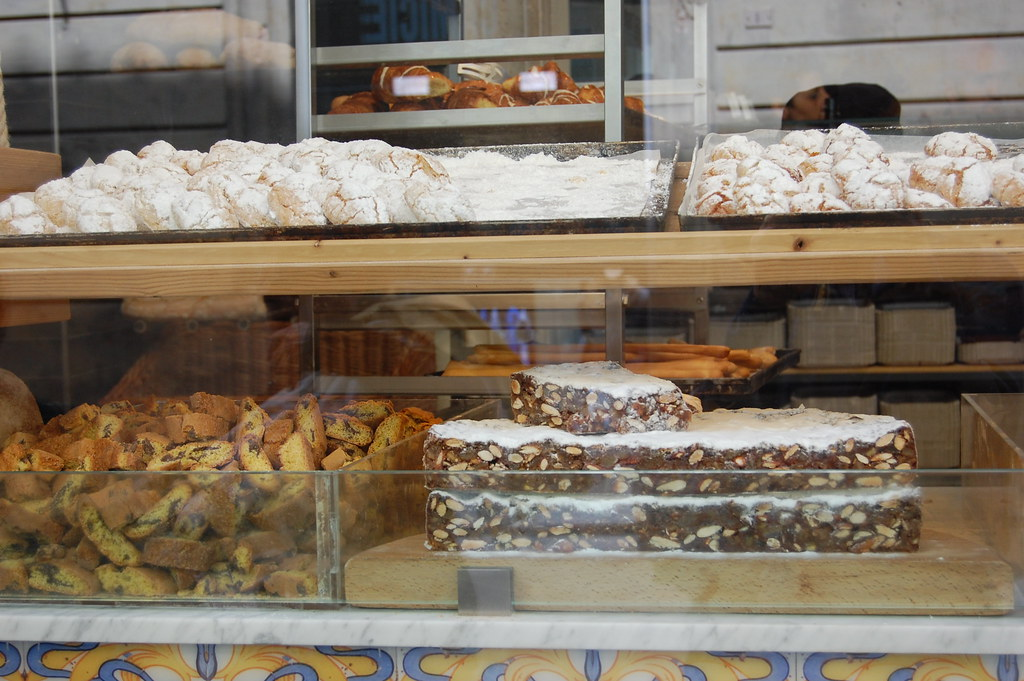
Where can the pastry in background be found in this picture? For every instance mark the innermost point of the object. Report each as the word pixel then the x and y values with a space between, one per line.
pixel 19 412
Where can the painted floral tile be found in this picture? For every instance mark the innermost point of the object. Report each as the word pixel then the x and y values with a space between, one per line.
pixel 207 662
pixel 472 664
pixel 150 662
pixel 892 667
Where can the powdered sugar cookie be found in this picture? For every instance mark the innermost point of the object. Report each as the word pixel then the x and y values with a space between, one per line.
pixel 54 199
pixel 876 189
pixel 353 204
pixel 767 172
pixel 820 183
pixel 431 203
pixel 753 198
pixel 963 181
pixel 295 200
pixel 19 215
pixel 723 166
pixel 1008 187
pixel 716 203
pixel 842 135
pixel 197 210
pixel 787 157
pixel 189 160
pixel 737 147
pixel 918 199
pixel 811 142
pixel 719 184
pixel 99 213
pixel 818 163
pixel 248 201
pixel 816 202
pixel 862 147
pixel 161 150
pixel 961 144
pixel 154 210
pixel 855 164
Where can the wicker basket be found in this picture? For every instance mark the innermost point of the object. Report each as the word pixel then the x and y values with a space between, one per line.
pixel 223 357
pixel 848 402
pixel 916 333
pixel 748 331
pixel 375 352
pixel 832 333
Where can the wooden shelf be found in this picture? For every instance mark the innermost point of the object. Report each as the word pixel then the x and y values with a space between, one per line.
pixel 594 262
pixel 915 369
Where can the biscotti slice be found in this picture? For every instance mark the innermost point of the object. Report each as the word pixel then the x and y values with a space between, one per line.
pixel 135 581
pixel 291 584
pixel 63 577
pixel 182 554
pixel 887 520
pixel 597 397
pixel 814 445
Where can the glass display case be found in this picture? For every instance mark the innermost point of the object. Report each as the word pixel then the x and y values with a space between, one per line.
pixel 894 314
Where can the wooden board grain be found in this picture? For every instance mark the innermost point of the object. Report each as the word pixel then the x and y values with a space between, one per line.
pixel 21 312
pixel 952 574
pixel 22 170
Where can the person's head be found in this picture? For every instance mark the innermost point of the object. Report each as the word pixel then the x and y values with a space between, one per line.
pixel 863 104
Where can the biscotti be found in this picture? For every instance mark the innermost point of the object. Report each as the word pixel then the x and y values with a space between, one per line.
pixel 596 397
pixel 798 439
pixel 835 522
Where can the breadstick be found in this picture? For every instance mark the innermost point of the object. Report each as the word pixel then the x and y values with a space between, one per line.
pixel 720 351
pixel 709 367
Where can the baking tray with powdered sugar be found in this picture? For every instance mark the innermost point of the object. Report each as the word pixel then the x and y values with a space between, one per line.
pixel 897 143
pixel 605 187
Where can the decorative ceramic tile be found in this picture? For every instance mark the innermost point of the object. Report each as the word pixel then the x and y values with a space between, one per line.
pixel 153 662
pixel 892 667
pixel 473 664
pixel 116 662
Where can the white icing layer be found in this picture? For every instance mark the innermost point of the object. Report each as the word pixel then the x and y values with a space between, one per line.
pixel 811 429
pixel 607 377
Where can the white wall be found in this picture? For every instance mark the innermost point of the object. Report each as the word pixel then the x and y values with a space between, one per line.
pixel 947 61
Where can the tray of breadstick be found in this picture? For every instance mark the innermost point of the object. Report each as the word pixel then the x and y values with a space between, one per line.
pixel 698 369
pixel 851 177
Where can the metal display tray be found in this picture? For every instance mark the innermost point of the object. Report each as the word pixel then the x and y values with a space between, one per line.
pixel 894 142
pixel 784 359
pixel 651 218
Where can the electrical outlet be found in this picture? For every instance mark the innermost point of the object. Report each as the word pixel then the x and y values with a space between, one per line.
pixel 762 17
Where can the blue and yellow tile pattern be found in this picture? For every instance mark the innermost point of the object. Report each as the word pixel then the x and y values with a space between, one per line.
pixel 155 662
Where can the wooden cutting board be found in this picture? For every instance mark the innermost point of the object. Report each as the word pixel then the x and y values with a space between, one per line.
pixel 951 574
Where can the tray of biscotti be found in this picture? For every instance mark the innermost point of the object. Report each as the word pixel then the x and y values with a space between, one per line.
pixel 698 369
pixel 363 189
pixel 204 498
pixel 848 176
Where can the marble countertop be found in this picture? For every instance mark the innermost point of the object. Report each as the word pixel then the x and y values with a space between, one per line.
pixel 448 629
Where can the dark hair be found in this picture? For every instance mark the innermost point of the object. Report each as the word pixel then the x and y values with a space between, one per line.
pixel 861 102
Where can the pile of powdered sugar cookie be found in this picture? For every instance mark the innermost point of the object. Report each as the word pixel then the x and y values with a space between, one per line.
pixel 253 185
pixel 845 169
pixel 241 185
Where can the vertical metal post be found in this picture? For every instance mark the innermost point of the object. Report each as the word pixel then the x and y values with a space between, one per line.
pixel 614 324
pixel 701 98
pixel 613 89
pixel 303 69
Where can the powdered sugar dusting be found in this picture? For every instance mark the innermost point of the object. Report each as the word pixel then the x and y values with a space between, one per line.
pixel 541 187
pixel 811 429
pixel 608 377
